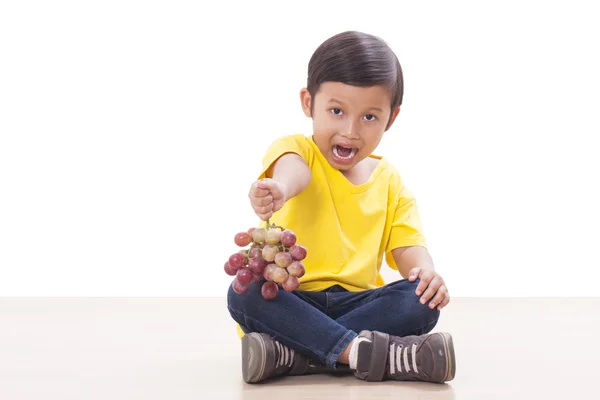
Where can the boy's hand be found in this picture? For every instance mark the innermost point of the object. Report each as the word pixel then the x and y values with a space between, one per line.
pixel 266 197
pixel 431 284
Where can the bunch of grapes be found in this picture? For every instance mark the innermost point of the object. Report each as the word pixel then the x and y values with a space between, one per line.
pixel 272 256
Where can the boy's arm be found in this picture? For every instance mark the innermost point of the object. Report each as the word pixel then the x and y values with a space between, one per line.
pixel 287 177
pixel 415 262
pixel 292 172
pixel 410 257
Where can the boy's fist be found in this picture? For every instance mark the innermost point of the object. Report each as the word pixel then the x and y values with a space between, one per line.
pixel 266 197
pixel 431 286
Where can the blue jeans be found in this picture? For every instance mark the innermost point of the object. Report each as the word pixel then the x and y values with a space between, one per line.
pixel 322 324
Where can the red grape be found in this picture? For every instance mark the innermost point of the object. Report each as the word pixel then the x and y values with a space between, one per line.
pixel 268 272
pixel 279 275
pixel 288 238
pixel 269 252
pixel 273 236
pixel 229 270
pixel 269 290
pixel 259 235
pixel 292 283
pixel 237 260
pixel 244 276
pixel 242 239
pixel 255 252
pixel 298 252
pixel 296 269
pixel 239 287
pixel 273 255
pixel 283 259
pixel 256 278
pixel 257 265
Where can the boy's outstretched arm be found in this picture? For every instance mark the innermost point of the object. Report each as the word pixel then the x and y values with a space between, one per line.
pixel 286 178
pixel 416 262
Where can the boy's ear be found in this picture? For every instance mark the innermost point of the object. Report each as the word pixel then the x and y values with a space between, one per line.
pixel 393 117
pixel 306 100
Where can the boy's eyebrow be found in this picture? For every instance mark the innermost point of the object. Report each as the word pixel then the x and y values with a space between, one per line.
pixel 332 100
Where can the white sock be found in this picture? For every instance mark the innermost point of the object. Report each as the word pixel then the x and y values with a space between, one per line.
pixel 353 358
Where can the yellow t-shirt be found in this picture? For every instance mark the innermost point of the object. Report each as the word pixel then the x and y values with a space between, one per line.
pixel 347 229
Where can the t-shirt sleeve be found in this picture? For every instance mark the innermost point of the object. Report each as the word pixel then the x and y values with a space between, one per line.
pixel 407 228
pixel 287 144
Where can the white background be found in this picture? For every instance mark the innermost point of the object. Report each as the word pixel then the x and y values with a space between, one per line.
pixel 130 133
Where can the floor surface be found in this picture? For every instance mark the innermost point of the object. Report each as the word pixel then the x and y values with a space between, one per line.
pixel 187 348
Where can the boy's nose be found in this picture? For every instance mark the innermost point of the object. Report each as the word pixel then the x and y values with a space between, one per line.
pixel 350 130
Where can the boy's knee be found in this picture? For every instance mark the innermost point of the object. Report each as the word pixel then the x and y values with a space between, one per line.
pixel 239 301
pixel 407 290
pixel 428 317
pixel 424 318
pixel 413 285
pixel 230 294
pixel 420 316
pixel 412 288
pixel 431 316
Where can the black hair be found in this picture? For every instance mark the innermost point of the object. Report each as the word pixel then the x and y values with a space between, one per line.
pixel 358 59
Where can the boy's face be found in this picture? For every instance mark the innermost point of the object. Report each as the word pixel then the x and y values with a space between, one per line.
pixel 348 121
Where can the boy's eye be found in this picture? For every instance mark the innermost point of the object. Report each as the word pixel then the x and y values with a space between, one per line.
pixel 336 111
pixel 370 117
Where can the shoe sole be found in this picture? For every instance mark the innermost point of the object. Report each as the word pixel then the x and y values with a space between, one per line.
pixel 450 360
pixel 254 357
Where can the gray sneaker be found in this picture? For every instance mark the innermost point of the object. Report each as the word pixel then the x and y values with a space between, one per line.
pixel 428 358
pixel 263 357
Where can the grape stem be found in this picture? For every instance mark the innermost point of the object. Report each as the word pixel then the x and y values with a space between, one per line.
pixel 272 226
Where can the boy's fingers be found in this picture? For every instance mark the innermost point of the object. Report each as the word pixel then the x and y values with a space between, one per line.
pixel 444 302
pixel 265 217
pixel 262 201
pixel 266 183
pixel 277 205
pixel 263 183
pixel 273 186
pixel 414 274
pixel 439 296
pixel 425 279
pixel 432 288
pixel 264 210
pixel 256 191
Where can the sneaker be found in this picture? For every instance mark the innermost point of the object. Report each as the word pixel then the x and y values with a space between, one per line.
pixel 263 357
pixel 428 358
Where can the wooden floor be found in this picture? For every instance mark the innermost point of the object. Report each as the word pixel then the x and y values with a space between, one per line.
pixel 186 348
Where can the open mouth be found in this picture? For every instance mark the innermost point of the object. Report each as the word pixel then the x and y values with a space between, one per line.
pixel 344 154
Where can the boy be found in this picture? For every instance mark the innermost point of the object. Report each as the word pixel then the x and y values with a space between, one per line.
pixel 349 208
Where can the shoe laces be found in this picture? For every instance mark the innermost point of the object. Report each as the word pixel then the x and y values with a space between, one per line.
pixel 285 357
pixel 399 358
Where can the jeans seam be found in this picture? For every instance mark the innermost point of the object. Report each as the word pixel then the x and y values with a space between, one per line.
pixel 336 351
